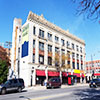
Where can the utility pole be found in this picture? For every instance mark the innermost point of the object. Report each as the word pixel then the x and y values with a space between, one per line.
pixel 92 66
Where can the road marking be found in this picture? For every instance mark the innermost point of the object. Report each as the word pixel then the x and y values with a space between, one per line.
pixel 51 96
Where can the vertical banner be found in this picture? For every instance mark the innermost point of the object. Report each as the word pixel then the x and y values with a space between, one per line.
pixel 25 40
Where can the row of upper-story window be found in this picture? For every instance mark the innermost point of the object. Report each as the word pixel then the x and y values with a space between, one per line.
pixel 57 50
pixel 63 42
pixel 97 64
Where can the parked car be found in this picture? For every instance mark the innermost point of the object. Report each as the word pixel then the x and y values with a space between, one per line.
pixel 53 82
pixel 12 85
pixel 94 83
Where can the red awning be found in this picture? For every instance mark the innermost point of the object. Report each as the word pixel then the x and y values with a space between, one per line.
pixel 40 72
pixel 64 74
pixel 96 74
pixel 53 73
pixel 78 75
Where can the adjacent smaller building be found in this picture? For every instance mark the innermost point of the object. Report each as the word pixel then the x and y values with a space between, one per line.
pixel 92 69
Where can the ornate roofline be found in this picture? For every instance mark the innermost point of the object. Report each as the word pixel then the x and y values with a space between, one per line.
pixel 42 20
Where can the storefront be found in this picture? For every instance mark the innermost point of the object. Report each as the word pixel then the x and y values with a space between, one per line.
pixel 53 74
pixel 40 76
pixel 64 77
pixel 77 74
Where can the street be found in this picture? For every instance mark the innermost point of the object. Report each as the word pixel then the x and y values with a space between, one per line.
pixel 66 93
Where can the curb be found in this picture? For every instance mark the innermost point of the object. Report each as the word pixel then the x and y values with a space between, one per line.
pixel 44 87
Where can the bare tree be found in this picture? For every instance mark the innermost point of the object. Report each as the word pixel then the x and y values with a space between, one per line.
pixel 90 8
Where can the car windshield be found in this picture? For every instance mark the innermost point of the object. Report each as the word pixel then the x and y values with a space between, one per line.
pixel 7 82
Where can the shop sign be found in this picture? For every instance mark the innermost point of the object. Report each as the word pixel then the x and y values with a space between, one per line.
pixel 76 71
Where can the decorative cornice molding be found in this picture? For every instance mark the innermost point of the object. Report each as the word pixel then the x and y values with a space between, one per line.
pixel 42 20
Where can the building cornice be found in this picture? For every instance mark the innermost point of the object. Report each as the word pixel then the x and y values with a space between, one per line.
pixel 43 21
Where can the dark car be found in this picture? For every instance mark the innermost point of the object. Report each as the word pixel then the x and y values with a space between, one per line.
pixel 53 82
pixel 94 83
pixel 12 85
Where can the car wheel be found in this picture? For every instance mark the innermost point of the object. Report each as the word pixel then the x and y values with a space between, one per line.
pixel 60 86
pixel 19 89
pixel 3 91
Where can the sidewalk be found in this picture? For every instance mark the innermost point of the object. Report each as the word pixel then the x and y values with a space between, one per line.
pixel 39 87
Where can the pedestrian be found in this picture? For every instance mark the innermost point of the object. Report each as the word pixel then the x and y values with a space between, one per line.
pixel 45 82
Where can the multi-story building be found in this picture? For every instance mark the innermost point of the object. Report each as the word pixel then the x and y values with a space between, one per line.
pixel 92 69
pixel 35 45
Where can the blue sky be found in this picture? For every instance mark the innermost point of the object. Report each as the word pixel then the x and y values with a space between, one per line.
pixel 59 12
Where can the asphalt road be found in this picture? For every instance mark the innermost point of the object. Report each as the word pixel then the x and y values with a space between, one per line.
pixel 70 93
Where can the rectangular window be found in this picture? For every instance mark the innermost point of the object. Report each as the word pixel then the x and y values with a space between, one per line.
pixel 77 49
pixel 41 46
pixel 62 42
pixel 73 64
pixel 81 49
pixel 19 38
pixel 77 65
pixel 62 51
pixel 56 49
pixel 68 44
pixel 41 33
pixel 73 55
pixel 49 61
pixel 49 48
pixel 50 36
pixel 33 58
pixel 56 39
pixel 81 66
pixel 41 59
pixel 77 56
pixel 73 46
pixel 81 58
pixel 33 43
pixel 34 30
pixel 68 54
pixel 68 62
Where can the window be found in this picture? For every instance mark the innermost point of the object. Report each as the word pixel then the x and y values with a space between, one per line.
pixel 49 48
pixel 33 58
pixel 68 44
pixel 81 66
pixel 62 51
pixel 18 52
pixel 19 38
pixel 77 56
pixel 81 58
pixel 73 64
pixel 62 42
pixel 68 62
pixel 73 46
pixel 34 30
pixel 56 49
pixel 81 49
pixel 77 65
pixel 68 53
pixel 73 55
pixel 49 61
pixel 50 36
pixel 41 33
pixel 41 59
pixel 41 46
pixel 77 49
pixel 56 39
pixel 33 43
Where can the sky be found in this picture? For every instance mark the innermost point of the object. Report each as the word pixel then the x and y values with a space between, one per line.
pixel 60 12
